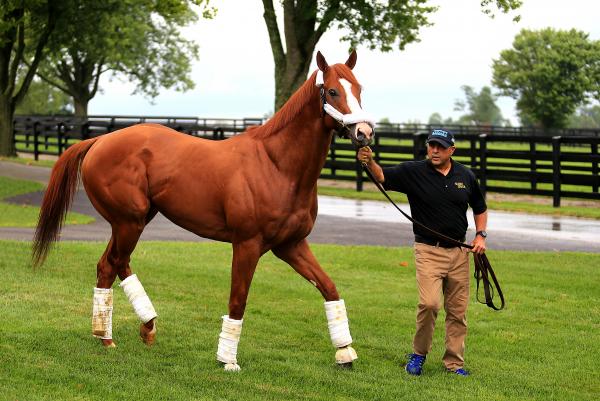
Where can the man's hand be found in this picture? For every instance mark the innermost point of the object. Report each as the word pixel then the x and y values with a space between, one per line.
pixel 365 155
pixel 478 244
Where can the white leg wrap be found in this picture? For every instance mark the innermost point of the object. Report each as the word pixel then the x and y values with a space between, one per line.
pixel 337 321
pixel 102 313
pixel 138 298
pixel 228 343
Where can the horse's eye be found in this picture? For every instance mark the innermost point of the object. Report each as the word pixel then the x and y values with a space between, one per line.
pixel 332 92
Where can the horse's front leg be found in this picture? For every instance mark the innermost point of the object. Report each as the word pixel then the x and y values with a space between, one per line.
pixel 245 258
pixel 300 257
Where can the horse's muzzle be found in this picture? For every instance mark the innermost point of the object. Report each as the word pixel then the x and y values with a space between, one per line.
pixel 361 134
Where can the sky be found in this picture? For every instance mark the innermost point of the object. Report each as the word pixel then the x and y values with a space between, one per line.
pixel 234 75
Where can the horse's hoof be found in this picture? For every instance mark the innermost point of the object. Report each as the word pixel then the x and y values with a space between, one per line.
pixel 232 367
pixel 345 355
pixel 148 335
pixel 347 365
pixel 108 343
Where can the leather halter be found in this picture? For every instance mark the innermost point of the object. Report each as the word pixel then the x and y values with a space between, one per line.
pixel 483 268
pixel 344 120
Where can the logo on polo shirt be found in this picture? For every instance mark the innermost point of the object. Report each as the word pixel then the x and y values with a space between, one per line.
pixel 460 185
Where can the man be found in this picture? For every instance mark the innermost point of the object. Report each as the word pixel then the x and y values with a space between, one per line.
pixel 439 192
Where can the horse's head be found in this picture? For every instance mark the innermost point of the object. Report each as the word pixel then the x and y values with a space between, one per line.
pixel 340 98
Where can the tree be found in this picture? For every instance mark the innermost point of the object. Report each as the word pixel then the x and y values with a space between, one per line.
pixel 437 119
pixel 585 117
pixel 379 25
pixel 25 27
pixel 138 39
pixel 550 73
pixel 42 98
pixel 481 106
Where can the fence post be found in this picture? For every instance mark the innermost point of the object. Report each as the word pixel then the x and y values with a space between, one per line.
pixel 473 152
pixel 333 156
pixel 533 164
pixel 359 176
pixel 36 138
pixel 483 163
pixel 595 165
pixel 556 171
pixel 59 137
pixel 85 130
pixel 419 151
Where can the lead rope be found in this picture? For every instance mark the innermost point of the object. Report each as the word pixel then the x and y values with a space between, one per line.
pixel 483 268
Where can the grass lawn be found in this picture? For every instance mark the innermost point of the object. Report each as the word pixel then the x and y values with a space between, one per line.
pixel 544 346
pixel 12 215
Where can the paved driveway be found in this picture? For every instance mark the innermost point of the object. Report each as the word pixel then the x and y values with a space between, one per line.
pixel 333 226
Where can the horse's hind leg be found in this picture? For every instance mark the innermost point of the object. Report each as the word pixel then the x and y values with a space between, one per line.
pixel 115 262
pixel 300 257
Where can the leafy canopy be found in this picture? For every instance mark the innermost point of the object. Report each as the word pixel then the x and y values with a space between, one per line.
pixel 481 107
pixel 550 73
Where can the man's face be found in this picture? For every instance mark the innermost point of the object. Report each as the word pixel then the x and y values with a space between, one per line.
pixel 438 155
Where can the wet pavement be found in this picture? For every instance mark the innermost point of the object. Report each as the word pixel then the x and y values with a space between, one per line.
pixel 341 221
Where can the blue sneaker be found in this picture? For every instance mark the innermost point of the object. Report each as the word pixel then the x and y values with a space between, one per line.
pixel 460 372
pixel 414 366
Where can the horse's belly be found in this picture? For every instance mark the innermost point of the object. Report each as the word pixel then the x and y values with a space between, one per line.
pixel 198 211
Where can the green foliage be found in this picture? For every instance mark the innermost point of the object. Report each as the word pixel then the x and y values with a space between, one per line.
pixel 481 106
pixel 550 73
pixel 437 119
pixel 25 27
pixel 586 117
pixel 543 346
pixel 375 24
pixel 42 98
pixel 138 40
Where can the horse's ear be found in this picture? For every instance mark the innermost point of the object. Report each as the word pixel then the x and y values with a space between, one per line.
pixel 321 62
pixel 351 62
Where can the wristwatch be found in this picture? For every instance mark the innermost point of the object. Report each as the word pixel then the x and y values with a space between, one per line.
pixel 482 233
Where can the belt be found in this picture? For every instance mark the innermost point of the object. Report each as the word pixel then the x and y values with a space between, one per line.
pixel 435 242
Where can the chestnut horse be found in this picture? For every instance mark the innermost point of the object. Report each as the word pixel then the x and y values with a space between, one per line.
pixel 256 190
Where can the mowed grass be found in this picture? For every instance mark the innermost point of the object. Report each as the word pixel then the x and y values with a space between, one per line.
pixel 12 215
pixel 544 346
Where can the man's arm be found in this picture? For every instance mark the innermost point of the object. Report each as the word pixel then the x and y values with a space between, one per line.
pixel 480 225
pixel 365 155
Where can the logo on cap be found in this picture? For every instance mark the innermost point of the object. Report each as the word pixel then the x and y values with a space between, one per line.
pixel 442 135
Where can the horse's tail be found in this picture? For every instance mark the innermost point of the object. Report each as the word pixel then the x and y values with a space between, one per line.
pixel 58 199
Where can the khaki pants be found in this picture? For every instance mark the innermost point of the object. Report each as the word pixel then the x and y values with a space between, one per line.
pixel 442 270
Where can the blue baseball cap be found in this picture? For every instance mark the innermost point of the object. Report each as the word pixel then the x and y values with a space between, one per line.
pixel 441 136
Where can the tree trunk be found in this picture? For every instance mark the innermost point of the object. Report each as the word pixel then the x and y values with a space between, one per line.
pixel 292 76
pixel 81 106
pixel 7 145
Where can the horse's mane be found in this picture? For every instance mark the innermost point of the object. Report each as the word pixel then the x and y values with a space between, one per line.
pixel 297 102
pixel 289 110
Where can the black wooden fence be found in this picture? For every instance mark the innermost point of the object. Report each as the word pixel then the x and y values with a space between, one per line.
pixel 513 160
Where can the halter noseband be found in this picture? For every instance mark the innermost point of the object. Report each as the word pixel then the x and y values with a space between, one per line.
pixel 344 119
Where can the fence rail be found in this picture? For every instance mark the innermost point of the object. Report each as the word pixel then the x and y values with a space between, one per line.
pixel 510 160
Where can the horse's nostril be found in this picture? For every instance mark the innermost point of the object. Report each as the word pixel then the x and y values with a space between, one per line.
pixel 360 135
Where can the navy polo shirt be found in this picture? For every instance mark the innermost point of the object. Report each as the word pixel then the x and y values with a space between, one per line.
pixel 437 201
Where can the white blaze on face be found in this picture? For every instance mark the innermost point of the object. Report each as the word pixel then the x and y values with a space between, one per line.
pixel 352 101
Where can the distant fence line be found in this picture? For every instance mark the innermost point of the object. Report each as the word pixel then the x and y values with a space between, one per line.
pixel 514 160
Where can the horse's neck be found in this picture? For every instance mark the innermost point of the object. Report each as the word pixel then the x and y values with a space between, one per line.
pixel 300 149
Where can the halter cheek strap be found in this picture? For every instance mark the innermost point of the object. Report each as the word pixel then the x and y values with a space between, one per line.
pixel 344 119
